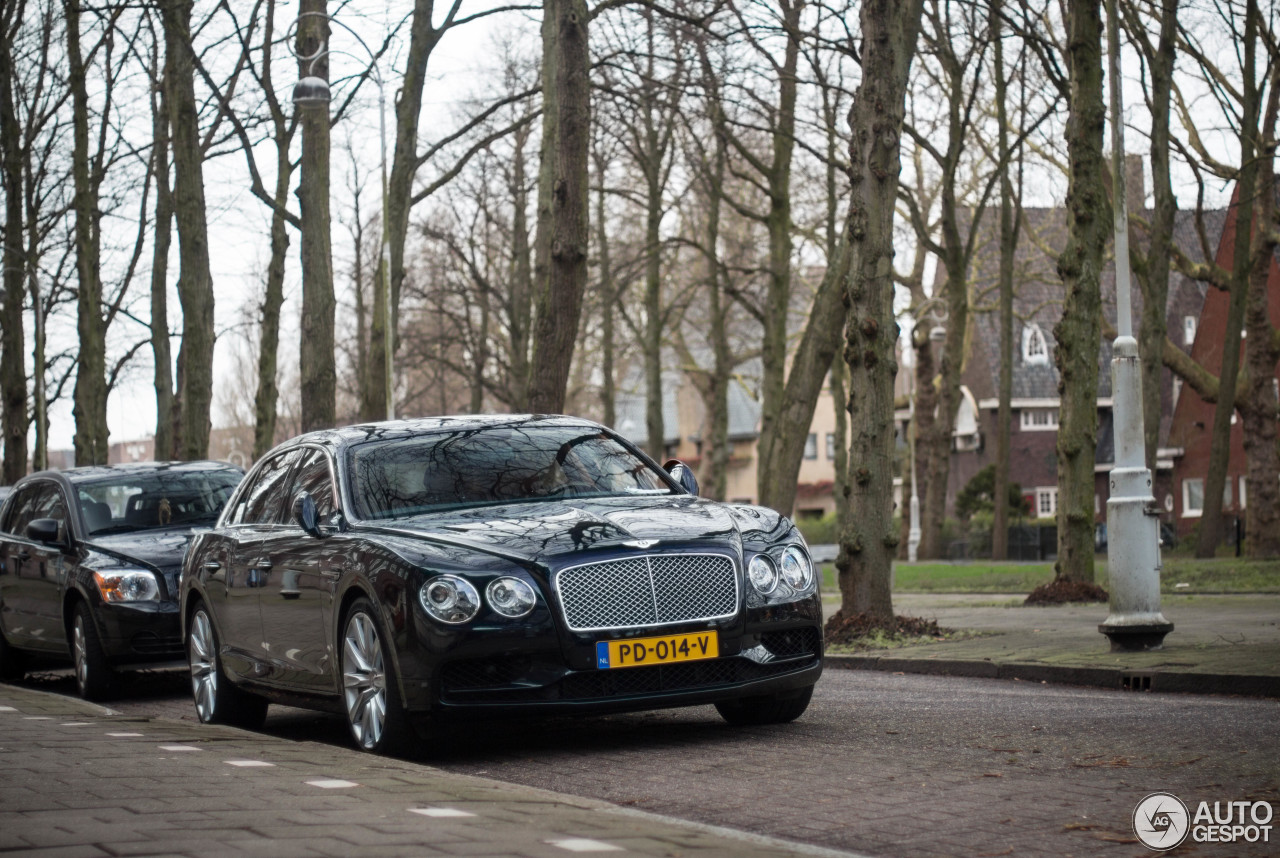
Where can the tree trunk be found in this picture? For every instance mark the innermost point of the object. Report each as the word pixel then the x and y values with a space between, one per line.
pixel 1080 266
pixel 268 394
pixel 316 352
pixel 774 487
pixel 867 543
pixel 90 408
pixel 561 242
pixel 13 373
pixel 195 283
pixel 1008 246
pixel 161 349
pixel 1246 189
pixel 521 321
pixel 654 428
pixel 1153 328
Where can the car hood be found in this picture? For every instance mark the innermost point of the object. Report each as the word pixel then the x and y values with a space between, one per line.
pixel 162 548
pixel 534 532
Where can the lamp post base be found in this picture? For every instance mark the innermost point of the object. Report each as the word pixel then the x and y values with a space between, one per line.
pixel 1139 637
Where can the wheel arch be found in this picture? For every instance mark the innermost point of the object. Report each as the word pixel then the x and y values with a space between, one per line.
pixel 360 589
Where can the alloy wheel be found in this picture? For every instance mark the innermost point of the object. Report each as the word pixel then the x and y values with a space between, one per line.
pixel 364 680
pixel 202 655
pixel 81 653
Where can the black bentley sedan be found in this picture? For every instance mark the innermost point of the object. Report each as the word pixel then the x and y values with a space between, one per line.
pixel 409 571
pixel 89 564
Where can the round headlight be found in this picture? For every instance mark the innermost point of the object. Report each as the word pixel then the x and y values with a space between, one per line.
pixel 510 597
pixel 449 599
pixel 796 568
pixel 762 574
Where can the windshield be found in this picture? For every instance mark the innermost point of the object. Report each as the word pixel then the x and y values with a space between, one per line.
pixel 140 501
pixel 502 464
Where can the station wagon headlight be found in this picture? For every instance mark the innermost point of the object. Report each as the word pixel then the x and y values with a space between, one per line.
pixel 510 597
pixel 762 574
pixel 796 568
pixel 127 585
pixel 450 599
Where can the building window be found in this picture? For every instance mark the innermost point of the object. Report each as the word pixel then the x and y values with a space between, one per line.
pixel 1039 419
pixel 831 446
pixel 1188 330
pixel 1047 502
pixel 811 446
pixel 1035 349
pixel 1192 498
pixel 1177 391
pixel 1241 494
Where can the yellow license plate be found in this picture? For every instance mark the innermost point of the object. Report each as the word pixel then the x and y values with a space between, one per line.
pixel 641 652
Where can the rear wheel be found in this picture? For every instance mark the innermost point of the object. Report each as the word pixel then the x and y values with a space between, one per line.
pixel 777 708
pixel 375 712
pixel 93 673
pixel 13 663
pixel 217 700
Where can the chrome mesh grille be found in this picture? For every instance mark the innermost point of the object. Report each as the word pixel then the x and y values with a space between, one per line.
pixel 654 590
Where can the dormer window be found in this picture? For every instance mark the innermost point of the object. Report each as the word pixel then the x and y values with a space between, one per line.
pixel 1188 330
pixel 1035 349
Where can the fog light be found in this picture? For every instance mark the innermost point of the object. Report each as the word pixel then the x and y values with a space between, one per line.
pixel 510 597
pixel 449 599
pixel 764 577
pixel 796 568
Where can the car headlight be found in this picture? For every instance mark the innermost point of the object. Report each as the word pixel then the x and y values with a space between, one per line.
pixel 127 585
pixel 450 599
pixel 762 574
pixel 510 597
pixel 796 568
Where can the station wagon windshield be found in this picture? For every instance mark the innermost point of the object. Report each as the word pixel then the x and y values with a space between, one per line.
pixel 494 465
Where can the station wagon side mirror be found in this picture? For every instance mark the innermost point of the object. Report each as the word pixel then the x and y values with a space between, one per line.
pixel 43 530
pixel 304 512
pixel 682 474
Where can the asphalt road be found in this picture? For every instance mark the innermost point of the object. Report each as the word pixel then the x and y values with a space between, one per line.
pixel 881 764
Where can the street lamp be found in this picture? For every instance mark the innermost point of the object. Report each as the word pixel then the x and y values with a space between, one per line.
pixel 312 91
pixel 1133 530
pixel 937 334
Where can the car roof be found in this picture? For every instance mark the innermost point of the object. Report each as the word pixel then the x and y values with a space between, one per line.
pixel 89 473
pixel 392 429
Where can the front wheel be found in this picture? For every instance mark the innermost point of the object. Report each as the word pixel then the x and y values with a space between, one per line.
pixel 375 713
pixel 93 673
pixel 217 700
pixel 780 708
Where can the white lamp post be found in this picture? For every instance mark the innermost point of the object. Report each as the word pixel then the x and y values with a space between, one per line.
pixel 313 91
pixel 1133 529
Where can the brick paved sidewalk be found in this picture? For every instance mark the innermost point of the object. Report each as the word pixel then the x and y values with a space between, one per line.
pixel 79 780
pixel 1221 644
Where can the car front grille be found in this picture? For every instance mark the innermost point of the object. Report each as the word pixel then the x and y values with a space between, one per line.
pixel 649 590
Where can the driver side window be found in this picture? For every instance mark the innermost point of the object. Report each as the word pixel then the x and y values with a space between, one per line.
pixel 24 509
pixel 263 503
pixel 313 477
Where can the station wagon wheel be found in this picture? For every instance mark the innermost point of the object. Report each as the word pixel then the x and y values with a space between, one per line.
pixel 374 710
pixel 93 673
pixel 217 700
pixel 780 708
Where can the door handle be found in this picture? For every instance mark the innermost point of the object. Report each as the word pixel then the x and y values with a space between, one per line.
pixel 212 566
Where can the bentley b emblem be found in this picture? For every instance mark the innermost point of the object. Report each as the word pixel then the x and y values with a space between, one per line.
pixel 640 543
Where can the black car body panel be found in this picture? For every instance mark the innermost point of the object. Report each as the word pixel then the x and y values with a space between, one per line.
pixel 277 596
pixel 40 583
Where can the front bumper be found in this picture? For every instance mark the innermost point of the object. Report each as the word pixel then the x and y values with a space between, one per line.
pixel 140 632
pixel 762 651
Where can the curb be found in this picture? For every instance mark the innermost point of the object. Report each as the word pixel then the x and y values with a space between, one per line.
pixel 1176 682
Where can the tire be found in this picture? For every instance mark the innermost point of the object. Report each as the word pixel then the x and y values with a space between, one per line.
pixel 13 662
pixel 93 672
pixel 780 708
pixel 216 699
pixel 375 711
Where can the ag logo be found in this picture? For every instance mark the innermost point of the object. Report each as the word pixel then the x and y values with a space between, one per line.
pixel 1161 821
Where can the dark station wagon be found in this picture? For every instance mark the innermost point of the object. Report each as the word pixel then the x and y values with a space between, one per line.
pixel 409 571
pixel 89 565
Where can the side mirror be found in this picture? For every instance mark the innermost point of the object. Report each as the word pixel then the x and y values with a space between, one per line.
pixel 304 512
pixel 682 474
pixel 43 530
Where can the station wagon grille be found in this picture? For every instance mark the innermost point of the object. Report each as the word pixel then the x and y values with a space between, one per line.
pixel 649 590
